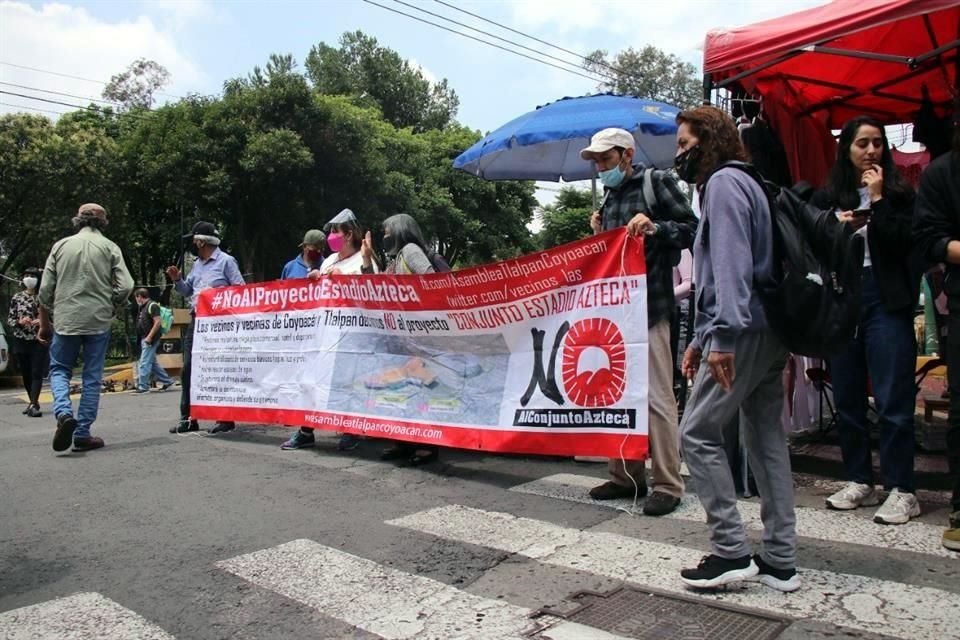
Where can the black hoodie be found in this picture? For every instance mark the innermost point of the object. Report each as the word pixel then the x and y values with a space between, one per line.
pixel 937 219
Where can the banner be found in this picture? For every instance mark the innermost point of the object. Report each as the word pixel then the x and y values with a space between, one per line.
pixel 544 354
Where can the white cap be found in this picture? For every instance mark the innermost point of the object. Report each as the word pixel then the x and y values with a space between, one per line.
pixel 603 141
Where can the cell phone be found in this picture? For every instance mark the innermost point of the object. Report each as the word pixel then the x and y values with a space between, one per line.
pixel 862 213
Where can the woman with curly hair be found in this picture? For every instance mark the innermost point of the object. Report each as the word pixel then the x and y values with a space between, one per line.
pixel 868 194
pixel 744 358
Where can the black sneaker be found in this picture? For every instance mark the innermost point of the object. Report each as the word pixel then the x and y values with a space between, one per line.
pixel 610 490
pixel 714 571
pixel 63 437
pixel 221 427
pixel 785 580
pixel 660 504
pixel 184 426
pixel 88 444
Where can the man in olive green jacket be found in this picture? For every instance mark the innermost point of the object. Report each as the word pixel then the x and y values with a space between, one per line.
pixel 84 282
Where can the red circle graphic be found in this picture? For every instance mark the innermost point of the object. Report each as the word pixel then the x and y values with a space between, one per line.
pixel 604 386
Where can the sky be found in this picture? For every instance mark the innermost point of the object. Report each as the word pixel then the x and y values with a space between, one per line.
pixel 205 42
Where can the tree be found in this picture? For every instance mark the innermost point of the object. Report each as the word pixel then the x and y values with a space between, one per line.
pixel 567 219
pixel 378 76
pixel 134 88
pixel 46 171
pixel 649 73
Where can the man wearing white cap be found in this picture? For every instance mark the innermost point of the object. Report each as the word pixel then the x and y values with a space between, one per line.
pixel 651 203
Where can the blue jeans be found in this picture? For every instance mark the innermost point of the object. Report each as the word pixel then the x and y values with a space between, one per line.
pixel 884 351
pixel 64 351
pixel 148 365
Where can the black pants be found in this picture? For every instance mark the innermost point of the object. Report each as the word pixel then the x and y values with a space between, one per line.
pixel 32 360
pixel 953 378
pixel 185 372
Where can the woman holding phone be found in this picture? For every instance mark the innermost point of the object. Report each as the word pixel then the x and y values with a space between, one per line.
pixel 867 193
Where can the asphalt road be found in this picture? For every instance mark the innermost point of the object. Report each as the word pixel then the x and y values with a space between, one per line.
pixel 204 537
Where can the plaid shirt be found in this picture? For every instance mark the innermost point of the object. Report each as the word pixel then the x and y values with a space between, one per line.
pixel 678 227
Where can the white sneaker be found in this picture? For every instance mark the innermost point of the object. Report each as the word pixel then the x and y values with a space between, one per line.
pixel 898 508
pixel 852 496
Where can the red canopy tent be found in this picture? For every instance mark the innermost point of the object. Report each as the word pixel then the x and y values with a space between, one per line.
pixel 817 68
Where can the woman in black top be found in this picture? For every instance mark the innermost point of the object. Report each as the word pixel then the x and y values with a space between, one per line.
pixel 24 319
pixel 868 193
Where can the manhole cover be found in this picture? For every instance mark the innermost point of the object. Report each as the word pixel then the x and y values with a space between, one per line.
pixel 649 615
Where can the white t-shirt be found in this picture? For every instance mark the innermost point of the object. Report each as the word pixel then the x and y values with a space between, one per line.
pixel 349 266
pixel 862 231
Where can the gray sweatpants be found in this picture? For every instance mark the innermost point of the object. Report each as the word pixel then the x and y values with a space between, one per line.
pixel 757 393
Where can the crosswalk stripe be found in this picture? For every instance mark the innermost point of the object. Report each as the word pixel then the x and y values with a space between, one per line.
pixel 383 601
pixel 849 600
pixel 575 631
pixel 79 616
pixel 819 524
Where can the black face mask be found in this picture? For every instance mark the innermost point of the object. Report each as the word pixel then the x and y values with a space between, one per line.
pixel 390 245
pixel 194 250
pixel 687 164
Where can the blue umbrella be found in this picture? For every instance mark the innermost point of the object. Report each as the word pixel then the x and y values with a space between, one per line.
pixel 545 144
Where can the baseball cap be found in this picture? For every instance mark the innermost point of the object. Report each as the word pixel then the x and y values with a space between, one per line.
pixel 202 229
pixel 313 237
pixel 603 141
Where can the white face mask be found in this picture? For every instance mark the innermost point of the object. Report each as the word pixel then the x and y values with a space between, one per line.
pixel 30 282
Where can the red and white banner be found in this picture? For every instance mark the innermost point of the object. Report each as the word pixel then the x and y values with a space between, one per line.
pixel 543 354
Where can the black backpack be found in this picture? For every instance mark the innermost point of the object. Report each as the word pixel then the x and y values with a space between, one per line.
pixel 812 299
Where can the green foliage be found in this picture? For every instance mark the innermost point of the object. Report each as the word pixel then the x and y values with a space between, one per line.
pixel 649 73
pixel 377 76
pixel 277 154
pixel 567 219
pixel 46 171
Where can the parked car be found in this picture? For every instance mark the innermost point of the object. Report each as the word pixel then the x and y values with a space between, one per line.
pixel 4 350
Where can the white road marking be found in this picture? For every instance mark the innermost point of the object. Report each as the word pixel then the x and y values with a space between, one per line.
pixel 820 524
pixel 78 617
pixel 384 601
pixel 859 602
pixel 575 631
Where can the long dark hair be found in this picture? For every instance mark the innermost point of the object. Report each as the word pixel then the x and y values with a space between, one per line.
pixel 405 230
pixel 844 179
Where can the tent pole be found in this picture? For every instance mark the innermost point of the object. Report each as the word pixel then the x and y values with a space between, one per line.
pixel 707 87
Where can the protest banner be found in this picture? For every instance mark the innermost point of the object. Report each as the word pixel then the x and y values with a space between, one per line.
pixel 542 354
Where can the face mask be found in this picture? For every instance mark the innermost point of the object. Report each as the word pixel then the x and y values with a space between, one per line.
pixel 313 256
pixel 687 164
pixel 30 282
pixel 335 241
pixel 390 245
pixel 612 177
pixel 194 249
